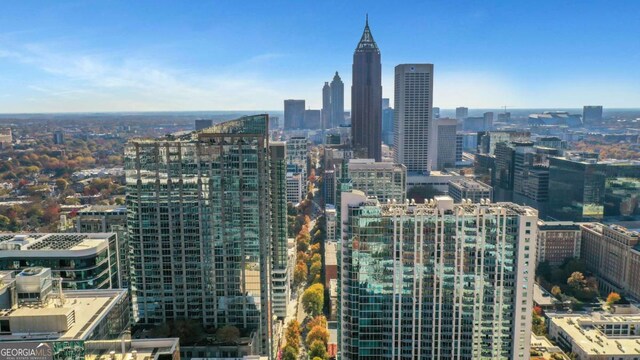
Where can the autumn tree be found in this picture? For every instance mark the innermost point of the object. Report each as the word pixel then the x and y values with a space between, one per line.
pixel 613 298
pixel 314 271
pixel 313 300
pixel 290 353
pixel 318 333
pixel 318 349
pixel 319 320
pixel 576 280
pixel 292 335
pixel 556 291
pixel 300 273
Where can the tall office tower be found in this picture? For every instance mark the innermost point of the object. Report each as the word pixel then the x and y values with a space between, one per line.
pixel 576 188
pixel 435 112
pixel 337 101
pixel 592 114
pixel 504 117
pixel 58 137
pixel 383 180
pixel 199 223
pixel 414 133
pixel 462 113
pixel 366 99
pixel 387 122
pixel 293 114
pixel 280 289
pixel 326 106
pixel 312 119
pixel 387 125
pixel 459 147
pixel 446 143
pixel 436 280
pixel 488 120
pixel 203 123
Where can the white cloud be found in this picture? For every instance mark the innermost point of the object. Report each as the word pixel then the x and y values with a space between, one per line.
pixel 90 82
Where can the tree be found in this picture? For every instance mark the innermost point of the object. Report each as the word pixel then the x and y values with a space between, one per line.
pixel 318 350
pixel 319 320
pixel 576 280
pixel 313 300
pixel 302 245
pixel 537 325
pixel 318 333
pixel 556 291
pixel 613 298
pixel 292 335
pixel 314 270
pixel 228 334
pixel 61 184
pixel 300 273
pixel 290 353
pixel 4 222
pixel 119 201
pixel 537 310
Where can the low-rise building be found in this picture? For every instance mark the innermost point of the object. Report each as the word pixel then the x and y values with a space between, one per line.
pixel 558 241
pixel 34 308
pixel 469 189
pixel 598 335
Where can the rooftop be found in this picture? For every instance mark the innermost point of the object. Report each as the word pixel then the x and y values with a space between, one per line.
pixel 470 184
pixel 589 332
pixel 87 307
pixel 109 209
pixel 330 253
pixel 53 242
pixel 150 349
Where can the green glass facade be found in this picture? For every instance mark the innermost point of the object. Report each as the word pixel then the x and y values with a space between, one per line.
pixel 199 223
pixel 437 282
pixel 576 190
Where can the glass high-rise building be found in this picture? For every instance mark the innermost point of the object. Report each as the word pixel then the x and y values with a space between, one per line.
pixel 576 188
pixel 199 223
pixel 436 280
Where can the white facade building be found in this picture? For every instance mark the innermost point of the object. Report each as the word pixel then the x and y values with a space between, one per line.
pixel 414 133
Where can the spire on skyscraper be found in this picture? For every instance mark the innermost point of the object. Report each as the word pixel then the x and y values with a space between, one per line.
pixel 366 41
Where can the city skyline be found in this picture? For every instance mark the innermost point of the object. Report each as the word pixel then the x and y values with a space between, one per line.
pixel 175 58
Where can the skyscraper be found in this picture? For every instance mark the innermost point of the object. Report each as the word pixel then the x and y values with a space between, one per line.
pixel 326 106
pixel 414 133
pixel 592 114
pixel 366 99
pixel 337 101
pixel 446 140
pixel 199 224
pixel 462 113
pixel 281 292
pixel 293 114
pixel 437 280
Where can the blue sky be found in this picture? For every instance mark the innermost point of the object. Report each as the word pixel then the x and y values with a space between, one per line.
pixel 65 56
